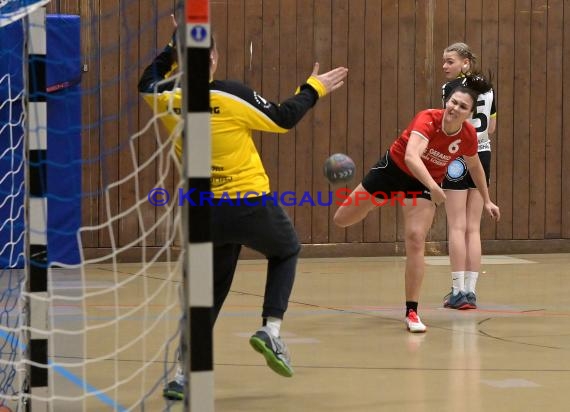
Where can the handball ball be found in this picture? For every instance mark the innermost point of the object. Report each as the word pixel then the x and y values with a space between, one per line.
pixel 339 168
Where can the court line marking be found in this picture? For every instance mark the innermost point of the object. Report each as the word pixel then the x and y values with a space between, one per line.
pixel 510 383
pixel 485 260
pixel 74 379
pixel 90 389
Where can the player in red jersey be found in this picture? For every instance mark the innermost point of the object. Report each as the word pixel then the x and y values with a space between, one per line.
pixel 417 162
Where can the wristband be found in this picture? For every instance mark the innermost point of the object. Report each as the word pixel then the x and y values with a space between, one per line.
pixel 317 85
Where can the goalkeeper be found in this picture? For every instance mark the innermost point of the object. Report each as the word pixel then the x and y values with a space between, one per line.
pixel 263 225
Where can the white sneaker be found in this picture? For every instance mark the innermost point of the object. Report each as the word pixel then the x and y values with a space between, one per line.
pixel 414 323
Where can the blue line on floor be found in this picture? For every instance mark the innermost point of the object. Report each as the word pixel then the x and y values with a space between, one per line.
pixel 77 381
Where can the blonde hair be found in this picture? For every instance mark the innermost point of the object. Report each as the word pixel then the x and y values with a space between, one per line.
pixel 464 51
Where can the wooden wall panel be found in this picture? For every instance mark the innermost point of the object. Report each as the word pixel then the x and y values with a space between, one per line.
pixel 537 119
pixel 304 131
pixel 553 135
pixel 146 143
pixel 356 90
pixel 270 85
pixel 447 25
pixel 388 101
pixel 565 169
pixel 521 197
pixel 90 179
pixel 474 25
pixel 234 52
pixel 340 105
pixel 151 215
pixel 110 112
pixel 504 142
pixel 405 103
pixel 393 50
pixel 220 27
pixel 128 230
pixel 287 84
pixel 323 28
pixel 488 61
pixel 439 36
pixel 456 11
pixel 372 148
pixel 148 176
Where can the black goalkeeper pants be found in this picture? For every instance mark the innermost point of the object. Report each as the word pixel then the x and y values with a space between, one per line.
pixel 266 228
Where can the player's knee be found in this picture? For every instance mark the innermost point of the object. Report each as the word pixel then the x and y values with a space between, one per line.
pixel 473 229
pixel 415 239
pixel 292 249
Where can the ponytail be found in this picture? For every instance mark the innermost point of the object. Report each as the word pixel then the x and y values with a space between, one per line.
pixel 474 84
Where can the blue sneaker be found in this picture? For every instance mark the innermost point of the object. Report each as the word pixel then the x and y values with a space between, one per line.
pixel 173 391
pixel 458 301
pixel 472 299
pixel 273 350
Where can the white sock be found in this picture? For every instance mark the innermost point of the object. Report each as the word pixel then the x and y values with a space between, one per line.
pixel 470 281
pixel 457 282
pixel 274 325
pixel 179 377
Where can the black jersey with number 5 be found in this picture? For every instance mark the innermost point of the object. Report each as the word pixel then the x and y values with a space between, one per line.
pixel 482 115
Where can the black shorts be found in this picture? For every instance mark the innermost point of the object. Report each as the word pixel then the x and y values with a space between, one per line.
pixel 386 178
pixel 457 176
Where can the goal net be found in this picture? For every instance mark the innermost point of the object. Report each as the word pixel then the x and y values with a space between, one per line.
pixel 90 226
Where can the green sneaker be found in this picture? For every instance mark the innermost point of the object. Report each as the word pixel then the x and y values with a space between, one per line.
pixel 274 350
pixel 173 391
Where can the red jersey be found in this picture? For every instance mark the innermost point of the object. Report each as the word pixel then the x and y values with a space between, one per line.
pixel 441 149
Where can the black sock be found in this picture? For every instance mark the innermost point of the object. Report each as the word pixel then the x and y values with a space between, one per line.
pixel 411 306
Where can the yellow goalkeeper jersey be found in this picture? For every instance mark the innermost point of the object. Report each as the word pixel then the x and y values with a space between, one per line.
pixel 236 111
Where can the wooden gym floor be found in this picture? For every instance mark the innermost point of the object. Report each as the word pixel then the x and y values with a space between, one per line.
pixel 350 349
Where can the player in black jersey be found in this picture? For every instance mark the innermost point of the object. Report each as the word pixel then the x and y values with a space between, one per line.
pixel 464 204
pixel 261 223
